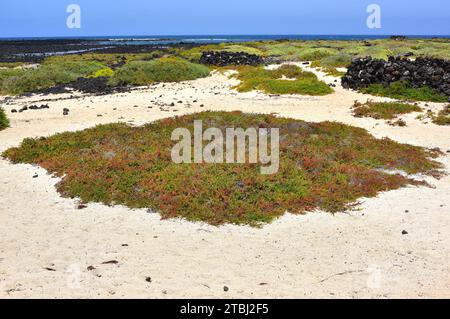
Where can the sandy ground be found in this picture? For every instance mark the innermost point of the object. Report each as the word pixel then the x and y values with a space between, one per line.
pixel 50 249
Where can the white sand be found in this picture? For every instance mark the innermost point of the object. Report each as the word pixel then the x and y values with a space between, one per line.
pixel 351 255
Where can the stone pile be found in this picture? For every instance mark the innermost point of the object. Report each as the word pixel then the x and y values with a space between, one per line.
pixel 223 58
pixel 431 72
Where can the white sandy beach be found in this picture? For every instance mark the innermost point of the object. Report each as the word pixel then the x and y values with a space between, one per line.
pixel 47 244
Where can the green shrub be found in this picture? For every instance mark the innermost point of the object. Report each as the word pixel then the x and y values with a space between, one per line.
pixel 194 54
pixel 4 122
pixel 107 72
pixel 402 91
pixel 340 60
pixel 383 110
pixel 272 81
pixel 286 51
pixel 443 117
pixel 17 82
pixel 160 70
pixel 313 54
pixel 327 166
pixel 243 48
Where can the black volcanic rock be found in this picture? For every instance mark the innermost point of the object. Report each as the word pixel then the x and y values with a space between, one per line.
pixel 223 58
pixel 431 72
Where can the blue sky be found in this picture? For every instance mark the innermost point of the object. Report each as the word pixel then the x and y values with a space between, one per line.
pixel 33 18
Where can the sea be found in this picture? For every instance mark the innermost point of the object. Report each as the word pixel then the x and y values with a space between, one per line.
pixel 211 39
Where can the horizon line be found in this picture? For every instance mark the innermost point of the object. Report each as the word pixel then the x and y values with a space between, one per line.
pixel 220 35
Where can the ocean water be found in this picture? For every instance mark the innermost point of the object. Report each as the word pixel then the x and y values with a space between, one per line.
pixel 205 39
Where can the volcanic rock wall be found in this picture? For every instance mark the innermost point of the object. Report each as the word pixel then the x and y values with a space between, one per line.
pixel 431 72
pixel 223 58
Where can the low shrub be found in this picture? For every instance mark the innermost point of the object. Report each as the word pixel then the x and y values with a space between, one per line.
pixel 340 60
pixel 443 117
pixel 4 122
pixel 312 54
pixel 287 79
pixel 326 166
pixel 403 91
pixel 16 82
pixel 383 110
pixel 160 70
pixel 106 72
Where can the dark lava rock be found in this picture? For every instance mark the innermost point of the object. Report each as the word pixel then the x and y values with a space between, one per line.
pixel 225 288
pixel 97 85
pixel 398 37
pixel 65 111
pixel 223 58
pixel 42 107
pixel 404 232
pixel 431 72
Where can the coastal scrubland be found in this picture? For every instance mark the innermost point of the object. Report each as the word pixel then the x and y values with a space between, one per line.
pixel 325 165
pixel 179 64
pixel 19 81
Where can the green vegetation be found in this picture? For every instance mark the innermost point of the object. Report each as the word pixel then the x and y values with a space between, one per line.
pixel 328 55
pixel 108 72
pixel 402 91
pixel 18 81
pixel 383 110
pixel 10 64
pixel 443 117
pixel 160 70
pixel 320 50
pixel 4 122
pixel 324 166
pixel 107 59
pixel 287 79
pixel 330 64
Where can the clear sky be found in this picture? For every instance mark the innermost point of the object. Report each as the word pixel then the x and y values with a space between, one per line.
pixel 34 18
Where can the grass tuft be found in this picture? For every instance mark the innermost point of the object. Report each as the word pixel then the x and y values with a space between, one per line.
pixel 383 110
pixel 402 91
pixel 324 166
pixel 4 122
pixel 443 117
